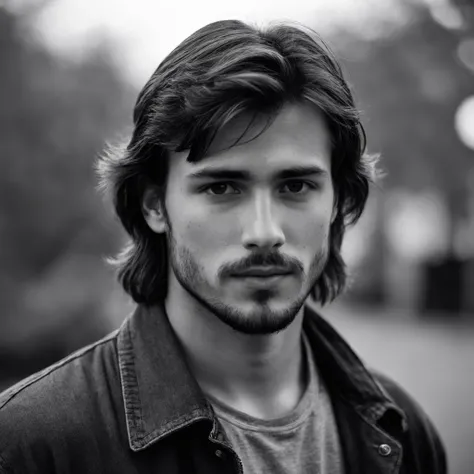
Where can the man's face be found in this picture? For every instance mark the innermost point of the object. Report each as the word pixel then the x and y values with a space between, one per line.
pixel 249 225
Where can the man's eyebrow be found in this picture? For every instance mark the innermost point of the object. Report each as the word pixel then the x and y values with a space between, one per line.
pixel 301 171
pixel 244 175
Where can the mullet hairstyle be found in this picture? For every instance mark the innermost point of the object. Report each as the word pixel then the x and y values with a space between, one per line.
pixel 219 72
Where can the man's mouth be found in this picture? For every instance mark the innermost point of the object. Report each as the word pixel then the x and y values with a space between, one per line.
pixel 262 272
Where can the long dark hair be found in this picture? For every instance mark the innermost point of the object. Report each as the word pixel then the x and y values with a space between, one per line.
pixel 220 71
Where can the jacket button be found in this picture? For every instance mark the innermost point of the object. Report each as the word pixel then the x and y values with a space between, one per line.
pixel 385 450
pixel 219 453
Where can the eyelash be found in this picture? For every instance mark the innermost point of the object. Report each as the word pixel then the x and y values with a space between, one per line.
pixel 206 188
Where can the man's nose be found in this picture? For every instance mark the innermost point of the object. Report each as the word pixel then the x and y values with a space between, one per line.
pixel 261 228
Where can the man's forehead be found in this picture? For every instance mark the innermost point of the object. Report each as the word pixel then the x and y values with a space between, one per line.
pixel 243 129
pixel 296 137
pixel 295 123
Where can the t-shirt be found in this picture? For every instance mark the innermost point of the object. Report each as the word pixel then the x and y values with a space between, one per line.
pixel 303 441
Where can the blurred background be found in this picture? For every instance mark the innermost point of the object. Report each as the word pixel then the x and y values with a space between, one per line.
pixel 69 75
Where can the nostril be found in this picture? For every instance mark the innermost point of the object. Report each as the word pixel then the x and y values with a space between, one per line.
pixel 263 245
pixel 269 238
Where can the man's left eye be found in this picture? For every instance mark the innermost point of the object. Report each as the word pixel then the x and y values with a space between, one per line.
pixel 296 187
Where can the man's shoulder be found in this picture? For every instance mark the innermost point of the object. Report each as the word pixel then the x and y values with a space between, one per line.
pixel 421 438
pixel 57 401
pixel 70 372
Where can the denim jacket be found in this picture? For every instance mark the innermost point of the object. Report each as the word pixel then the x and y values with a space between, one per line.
pixel 130 404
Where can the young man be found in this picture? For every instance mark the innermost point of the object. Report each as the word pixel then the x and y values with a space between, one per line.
pixel 245 166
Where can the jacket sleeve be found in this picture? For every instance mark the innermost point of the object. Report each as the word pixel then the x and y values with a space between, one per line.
pixel 422 445
pixel 3 468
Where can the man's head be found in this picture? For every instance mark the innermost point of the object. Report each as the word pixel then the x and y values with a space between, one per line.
pixel 247 153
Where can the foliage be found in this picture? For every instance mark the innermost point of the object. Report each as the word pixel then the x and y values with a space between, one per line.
pixel 54 118
pixel 409 86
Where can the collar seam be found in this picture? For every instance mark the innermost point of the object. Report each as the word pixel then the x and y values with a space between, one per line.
pixel 380 430
pixel 373 421
pixel 142 442
pixel 129 389
pixel 138 437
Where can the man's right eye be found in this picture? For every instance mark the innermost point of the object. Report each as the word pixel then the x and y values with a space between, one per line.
pixel 220 189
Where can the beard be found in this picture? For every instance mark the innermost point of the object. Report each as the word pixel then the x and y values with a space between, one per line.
pixel 263 318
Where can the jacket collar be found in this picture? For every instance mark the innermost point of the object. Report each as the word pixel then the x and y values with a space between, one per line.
pixel 161 395
pixel 346 376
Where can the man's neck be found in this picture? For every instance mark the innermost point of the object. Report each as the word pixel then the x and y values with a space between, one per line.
pixel 261 375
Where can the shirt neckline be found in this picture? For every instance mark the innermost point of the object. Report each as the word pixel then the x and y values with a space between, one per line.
pixel 285 423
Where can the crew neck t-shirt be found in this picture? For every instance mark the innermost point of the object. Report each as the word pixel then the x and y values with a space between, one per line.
pixel 303 441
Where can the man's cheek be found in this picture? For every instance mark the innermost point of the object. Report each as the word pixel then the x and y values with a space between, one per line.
pixel 211 236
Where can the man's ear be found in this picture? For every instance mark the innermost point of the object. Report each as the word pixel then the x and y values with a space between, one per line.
pixel 154 211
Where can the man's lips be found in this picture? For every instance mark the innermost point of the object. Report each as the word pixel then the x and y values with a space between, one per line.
pixel 263 272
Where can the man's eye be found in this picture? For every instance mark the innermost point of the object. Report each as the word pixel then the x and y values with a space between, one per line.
pixel 296 187
pixel 220 189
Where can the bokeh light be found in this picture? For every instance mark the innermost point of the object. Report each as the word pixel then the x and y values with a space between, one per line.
pixel 464 122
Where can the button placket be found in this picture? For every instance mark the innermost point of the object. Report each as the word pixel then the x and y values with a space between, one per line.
pixel 225 453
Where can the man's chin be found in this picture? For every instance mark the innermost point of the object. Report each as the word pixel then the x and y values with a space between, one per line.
pixel 261 313
pixel 258 328
pixel 258 319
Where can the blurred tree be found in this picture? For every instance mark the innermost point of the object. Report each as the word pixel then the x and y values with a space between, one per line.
pixel 409 86
pixel 54 118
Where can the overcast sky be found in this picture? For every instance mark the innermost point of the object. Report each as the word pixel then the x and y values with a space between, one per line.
pixel 146 30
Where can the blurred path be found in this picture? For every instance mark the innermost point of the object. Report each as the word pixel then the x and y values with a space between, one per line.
pixel 432 359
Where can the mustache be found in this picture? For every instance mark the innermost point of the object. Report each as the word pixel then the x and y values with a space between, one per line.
pixel 273 259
